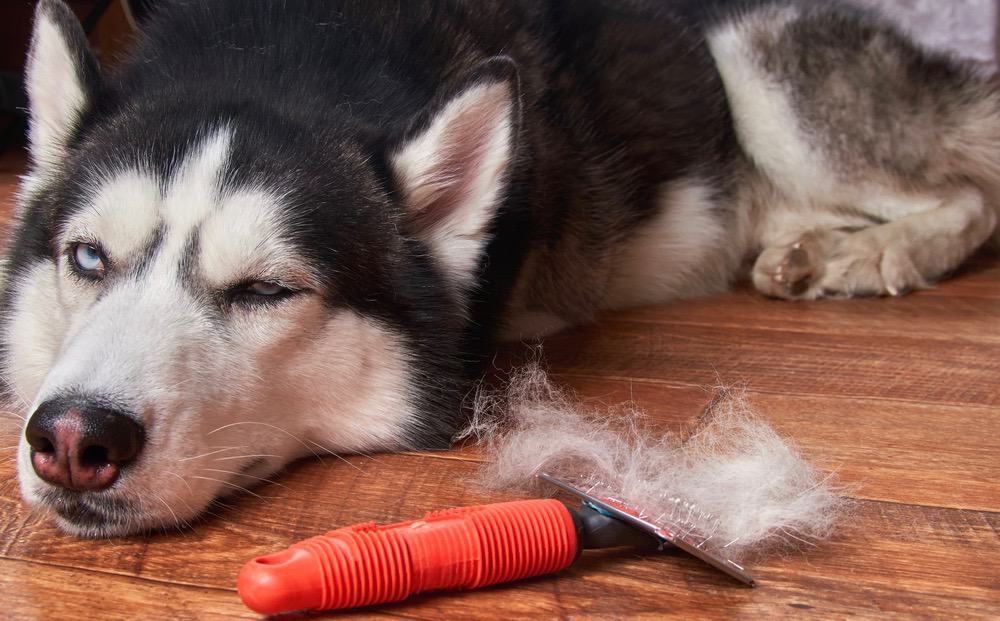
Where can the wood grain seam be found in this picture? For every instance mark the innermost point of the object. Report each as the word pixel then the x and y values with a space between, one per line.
pixel 469 458
pixel 187 585
pixel 118 574
pixel 978 340
pixel 779 393
pixel 880 501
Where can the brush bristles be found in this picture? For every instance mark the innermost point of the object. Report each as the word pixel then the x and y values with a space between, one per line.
pixel 732 483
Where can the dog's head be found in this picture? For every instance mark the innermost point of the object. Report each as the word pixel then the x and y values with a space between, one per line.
pixel 199 292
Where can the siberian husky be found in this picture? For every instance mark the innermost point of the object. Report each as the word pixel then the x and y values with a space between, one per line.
pixel 288 227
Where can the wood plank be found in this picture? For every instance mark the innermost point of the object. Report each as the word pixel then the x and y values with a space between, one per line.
pixel 799 363
pixel 894 451
pixel 950 318
pixel 978 277
pixel 34 591
pixel 882 551
pixel 884 449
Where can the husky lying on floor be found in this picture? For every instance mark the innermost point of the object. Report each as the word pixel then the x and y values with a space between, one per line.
pixel 288 227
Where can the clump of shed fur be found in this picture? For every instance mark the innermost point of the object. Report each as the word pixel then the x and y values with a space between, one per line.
pixel 739 487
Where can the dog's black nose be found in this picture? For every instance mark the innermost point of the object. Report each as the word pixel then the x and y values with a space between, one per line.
pixel 78 446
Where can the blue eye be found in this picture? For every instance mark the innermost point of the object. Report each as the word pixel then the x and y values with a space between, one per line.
pixel 88 259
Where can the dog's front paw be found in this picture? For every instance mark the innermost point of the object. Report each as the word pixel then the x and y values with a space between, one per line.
pixel 837 264
pixel 871 262
pixel 792 272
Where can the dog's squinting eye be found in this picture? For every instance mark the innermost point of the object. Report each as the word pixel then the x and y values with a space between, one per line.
pixel 88 260
pixel 267 289
pixel 260 292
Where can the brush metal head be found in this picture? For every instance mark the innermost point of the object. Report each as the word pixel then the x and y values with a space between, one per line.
pixel 674 527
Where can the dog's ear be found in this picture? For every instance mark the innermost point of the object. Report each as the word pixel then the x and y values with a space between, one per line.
pixel 453 166
pixel 62 79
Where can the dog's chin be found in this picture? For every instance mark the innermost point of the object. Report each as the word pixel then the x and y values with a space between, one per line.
pixel 122 512
pixel 81 517
pixel 96 518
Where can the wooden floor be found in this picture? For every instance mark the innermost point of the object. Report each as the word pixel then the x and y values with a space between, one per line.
pixel 900 397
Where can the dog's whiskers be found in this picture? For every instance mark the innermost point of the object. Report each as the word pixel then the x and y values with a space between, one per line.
pixel 183 480
pixel 219 503
pixel 242 474
pixel 245 457
pixel 13 414
pixel 17 394
pixel 12 455
pixel 284 431
pixel 191 512
pixel 177 520
pixel 331 452
pixel 364 454
pixel 215 452
pixel 232 485
pixel 8 486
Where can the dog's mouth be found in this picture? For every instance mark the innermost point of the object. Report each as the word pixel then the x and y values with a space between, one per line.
pixel 77 511
pixel 112 513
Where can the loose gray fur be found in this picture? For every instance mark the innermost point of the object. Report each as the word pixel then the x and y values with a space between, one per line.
pixel 745 491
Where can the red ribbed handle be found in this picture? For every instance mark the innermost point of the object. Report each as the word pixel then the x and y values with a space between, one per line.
pixel 463 548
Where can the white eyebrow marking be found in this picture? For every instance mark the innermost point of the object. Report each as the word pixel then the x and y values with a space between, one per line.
pixel 122 216
pixel 243 239
pixel 191 196
pixel 194 190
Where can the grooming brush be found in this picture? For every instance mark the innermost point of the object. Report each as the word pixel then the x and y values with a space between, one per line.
pixel 465 548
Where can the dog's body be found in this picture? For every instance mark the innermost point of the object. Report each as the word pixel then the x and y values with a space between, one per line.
pixel 293 227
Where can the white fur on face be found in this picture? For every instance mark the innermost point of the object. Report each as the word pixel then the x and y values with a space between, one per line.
pixel 123 215
pixel 242 240
pixel 34 331
pixel 226 395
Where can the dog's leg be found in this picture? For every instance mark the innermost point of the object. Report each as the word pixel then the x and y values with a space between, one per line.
pixel 893 150
pixel 887 259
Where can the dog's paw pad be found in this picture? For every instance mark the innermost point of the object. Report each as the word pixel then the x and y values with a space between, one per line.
pixel 788 272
